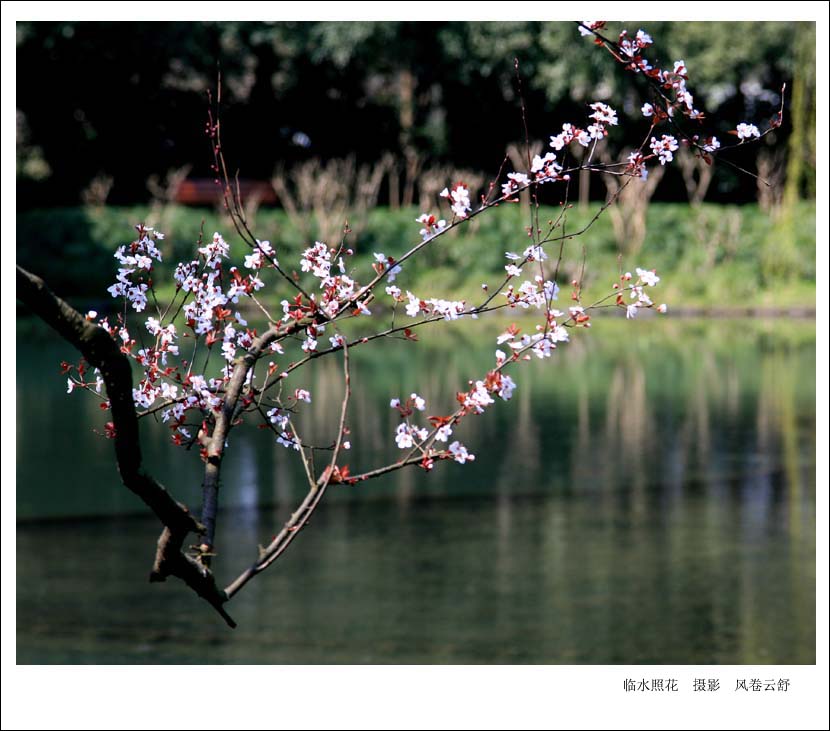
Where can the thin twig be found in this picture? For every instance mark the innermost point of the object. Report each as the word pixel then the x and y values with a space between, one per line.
pixel 299 519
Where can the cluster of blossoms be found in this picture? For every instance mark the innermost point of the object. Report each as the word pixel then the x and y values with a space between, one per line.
pixel 136 262
pixel 209 289
pixel 632 47
pixel 534 252
pixel 281 422
pixel 541 343
pixel 203 279
pixel 317 260
pixel 406 435
pixel 312 333
pixel 636 291
pixel 674 95
pixel 568 134
pixel 459 198
pixel 663 148
pixel 431 225
pixel 410 436
pixel 603 117
pixel 538 293
pixel 746 131
pixel 459 453
pixel 514 182
pixel 477 398
pixel 214 251
pixel 262 253
pixel 675 80
pixel 546 169
pixel 204 314
pixel 637 165
pixel 448 309
pixel 338 290
pixel 587 26
pixel 386 265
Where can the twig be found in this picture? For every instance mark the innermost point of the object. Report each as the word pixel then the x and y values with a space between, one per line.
pixel 299 519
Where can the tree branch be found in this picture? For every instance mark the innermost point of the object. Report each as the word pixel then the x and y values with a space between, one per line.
pixel 216 445
pixel 102 352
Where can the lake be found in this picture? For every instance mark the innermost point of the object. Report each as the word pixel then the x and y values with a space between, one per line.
pixel 647 496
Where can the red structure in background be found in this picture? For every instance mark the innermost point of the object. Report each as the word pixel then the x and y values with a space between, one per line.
pixel 206 191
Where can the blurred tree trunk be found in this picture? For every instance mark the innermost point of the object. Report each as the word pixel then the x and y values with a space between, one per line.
pixel 697 175
pixel 780 257
pixel 802 145
pixel 406 119
pixel 584 189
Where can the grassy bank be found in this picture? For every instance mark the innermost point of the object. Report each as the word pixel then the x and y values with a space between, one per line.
pixel 712 256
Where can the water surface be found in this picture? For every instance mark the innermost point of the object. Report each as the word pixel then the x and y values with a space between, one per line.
pixel 648 496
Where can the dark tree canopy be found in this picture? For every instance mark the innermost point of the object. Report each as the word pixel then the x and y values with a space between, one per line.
pixel 128 100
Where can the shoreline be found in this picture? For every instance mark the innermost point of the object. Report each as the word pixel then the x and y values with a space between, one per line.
pixel 689 312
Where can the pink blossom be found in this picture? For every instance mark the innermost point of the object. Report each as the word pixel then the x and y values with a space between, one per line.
pixel 432 225
pixel 648 277
pixel 545 168
pixel 403 436
pixel 747 131
pixel 603 114
pixel 514 182
pixel 663 148
pixel 413 307
pixel 459 197
pixel 460 454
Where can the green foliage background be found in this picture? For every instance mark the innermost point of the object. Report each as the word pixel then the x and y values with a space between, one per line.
pixel 707 256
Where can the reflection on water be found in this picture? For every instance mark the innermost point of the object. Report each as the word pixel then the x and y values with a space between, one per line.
pixel 647 496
